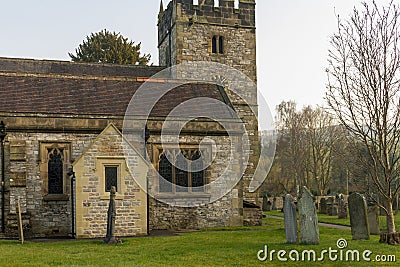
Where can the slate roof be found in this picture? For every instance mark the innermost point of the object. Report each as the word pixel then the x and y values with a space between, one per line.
pixel 34 86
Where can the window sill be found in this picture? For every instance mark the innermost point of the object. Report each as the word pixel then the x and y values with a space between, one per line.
pixel 54 197
pixel 183 195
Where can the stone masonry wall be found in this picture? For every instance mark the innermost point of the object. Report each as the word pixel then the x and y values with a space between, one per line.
pixel 92 200
pixel 192 28
pixel 42 217
pixel 222 212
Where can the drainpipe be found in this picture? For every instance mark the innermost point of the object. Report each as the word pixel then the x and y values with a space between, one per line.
pixel 3 134
pixel 71 174
pixel 146 138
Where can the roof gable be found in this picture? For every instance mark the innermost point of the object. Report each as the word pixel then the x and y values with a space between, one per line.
pixel 111 129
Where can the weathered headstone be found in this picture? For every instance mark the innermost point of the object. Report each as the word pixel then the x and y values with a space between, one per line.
pixel 358 217
pixel 331 207
pixel 342 208
pixel 266 204
pixel 111 214
pixel 274 204
pixel 309 231
pixel 289 209
pixel 323 206
pixel 373 219
pixel 396 203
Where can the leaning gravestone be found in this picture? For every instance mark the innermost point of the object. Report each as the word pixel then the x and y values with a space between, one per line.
pixel 358 217
pixel 289 209
pixel 322 206
pixel 373 219
pixel 342 208
pixel 309 232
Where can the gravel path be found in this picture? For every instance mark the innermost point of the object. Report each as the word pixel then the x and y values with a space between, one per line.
pixel 320 224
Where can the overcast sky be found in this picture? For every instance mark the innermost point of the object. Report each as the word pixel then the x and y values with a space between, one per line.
pixel 292 36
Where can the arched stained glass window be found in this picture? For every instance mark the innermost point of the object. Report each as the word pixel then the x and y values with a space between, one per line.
pixel 182 175
pixel 165 170
pixel 55 171
pixel 197 173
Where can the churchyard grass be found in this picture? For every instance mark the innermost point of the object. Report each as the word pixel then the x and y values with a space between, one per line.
pixel 225 246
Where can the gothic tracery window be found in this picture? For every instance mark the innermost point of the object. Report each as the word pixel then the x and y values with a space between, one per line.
pixel 165 170
pixel 55 171
pixel 184 174
pixel 54 160
pixel 197 173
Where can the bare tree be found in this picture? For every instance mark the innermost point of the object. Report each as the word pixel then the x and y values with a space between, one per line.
pixel 363 91
pixel 291 143
pixel 323 135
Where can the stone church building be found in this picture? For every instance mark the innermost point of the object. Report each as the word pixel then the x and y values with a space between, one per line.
pixel 64 145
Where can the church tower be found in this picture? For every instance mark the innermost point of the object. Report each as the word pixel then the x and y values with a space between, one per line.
pixel 222 31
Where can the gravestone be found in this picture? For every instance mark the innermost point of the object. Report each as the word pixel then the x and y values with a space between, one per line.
pixel 395 205
pixel 322 206
pixel 309 231
pixel 289 209
pixel 373 219
pixel 331 207
pixel 266 204
pixel 111 214
pixel 274 204
pixel 342 208
pixel 358 217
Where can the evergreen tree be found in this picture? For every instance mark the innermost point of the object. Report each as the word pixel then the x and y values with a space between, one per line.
pixel 107 47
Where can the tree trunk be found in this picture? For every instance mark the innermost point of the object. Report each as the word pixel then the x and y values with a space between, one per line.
pixel 390 218
pixel 390 237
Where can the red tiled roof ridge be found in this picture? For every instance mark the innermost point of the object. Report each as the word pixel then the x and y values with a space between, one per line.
pixel 60 61
pixel 102 78
pixel 68 76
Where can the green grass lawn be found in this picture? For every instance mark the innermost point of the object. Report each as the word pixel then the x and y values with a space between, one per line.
pixel 222 247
